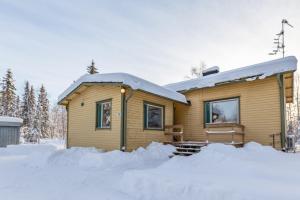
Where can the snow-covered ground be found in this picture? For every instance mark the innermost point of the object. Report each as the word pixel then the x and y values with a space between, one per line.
pixel 49 172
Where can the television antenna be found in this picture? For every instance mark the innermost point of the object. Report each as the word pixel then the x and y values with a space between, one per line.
pixel 279 40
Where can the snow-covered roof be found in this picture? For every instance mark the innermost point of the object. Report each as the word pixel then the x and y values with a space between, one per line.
pixel 261 70
pixel 125 79
pixel 10 121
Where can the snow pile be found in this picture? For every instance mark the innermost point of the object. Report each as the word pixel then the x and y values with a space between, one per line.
pixel 48 172
pixel 91 158
pixel 219 172
pixel 261 71
pixel 126 79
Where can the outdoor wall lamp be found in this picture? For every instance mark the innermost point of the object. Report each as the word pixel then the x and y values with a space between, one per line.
pixel 123 90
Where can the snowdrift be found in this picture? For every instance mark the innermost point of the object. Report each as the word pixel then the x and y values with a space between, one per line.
pixel 49 172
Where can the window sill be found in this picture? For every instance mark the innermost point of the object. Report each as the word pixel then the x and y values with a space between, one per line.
pixel 153 129
pixel 102 129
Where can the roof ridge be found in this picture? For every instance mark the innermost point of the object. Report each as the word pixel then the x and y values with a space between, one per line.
pixel 132 81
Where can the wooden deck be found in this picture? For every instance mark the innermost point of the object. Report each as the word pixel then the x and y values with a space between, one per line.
pixel 187 148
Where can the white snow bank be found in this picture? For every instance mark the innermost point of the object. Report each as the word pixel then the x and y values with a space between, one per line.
pixel 92 158
pixel 220 172
pixel 125 79
pixel 10 119
pixel 48 172
pixel 261 70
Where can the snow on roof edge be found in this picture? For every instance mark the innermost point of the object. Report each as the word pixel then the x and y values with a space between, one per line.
pixel 264 69
pixel 134 82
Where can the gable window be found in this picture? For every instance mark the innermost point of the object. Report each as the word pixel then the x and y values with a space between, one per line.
pixel 153 116
pixel 222 111
pixel 103 117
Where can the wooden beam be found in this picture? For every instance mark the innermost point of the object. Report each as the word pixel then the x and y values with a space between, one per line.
pixel 288 77
pixel 289 88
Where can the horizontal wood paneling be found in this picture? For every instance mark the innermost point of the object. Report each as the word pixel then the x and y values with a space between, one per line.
pixel 82 119
pixel 136 135
pixel 259 109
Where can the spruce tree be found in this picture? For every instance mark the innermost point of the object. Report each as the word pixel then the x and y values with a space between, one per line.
pixel 18 107
pixel 31 108
pixel 25 105
pixel 1 96
pixel 42 114
pixel 8 99
pixel 92 69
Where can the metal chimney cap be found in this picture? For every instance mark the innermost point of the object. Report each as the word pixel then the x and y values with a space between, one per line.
pixel 211 70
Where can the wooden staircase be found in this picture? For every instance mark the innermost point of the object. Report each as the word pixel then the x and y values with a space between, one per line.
pixel 188 148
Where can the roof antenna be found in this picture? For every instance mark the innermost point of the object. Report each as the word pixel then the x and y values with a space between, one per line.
pixel 280 46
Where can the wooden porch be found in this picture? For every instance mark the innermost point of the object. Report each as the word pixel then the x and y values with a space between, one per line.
pixel 226 133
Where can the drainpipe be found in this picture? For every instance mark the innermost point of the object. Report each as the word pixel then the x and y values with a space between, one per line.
pixel 124 101
pixel 282 109
pixel 122 141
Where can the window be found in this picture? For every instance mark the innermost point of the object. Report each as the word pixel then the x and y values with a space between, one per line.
pixel 103 117
pixel 153 116
pixel 222 111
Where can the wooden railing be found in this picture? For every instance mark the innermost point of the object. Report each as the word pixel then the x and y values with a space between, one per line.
pixel 275 139
pixel 176 131
pixel 231 129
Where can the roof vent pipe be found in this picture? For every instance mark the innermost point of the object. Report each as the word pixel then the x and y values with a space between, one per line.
pixel 211 70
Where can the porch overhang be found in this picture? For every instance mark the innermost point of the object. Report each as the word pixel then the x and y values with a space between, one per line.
pixel 289 87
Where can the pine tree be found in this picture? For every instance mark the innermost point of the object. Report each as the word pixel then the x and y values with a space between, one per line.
pixel 8 99
pixel 58 121
pixel 42 114
pixel 1 97
pixel 18 107
pixel 31 108
pixel 92 69
pixel 25 105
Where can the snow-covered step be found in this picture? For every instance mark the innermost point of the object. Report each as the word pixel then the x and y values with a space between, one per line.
pixel 187 149
pixel 182 153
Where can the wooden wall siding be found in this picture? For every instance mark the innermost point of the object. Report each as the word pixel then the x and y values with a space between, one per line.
pixel 259 109
pixel 136 135
pixel 82 119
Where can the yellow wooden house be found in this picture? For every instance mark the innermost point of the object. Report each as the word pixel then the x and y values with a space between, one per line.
pixel 122 111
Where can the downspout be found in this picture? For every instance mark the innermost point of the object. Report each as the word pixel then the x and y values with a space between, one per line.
pixel 122 139
pixel 282 109
pixel 124 101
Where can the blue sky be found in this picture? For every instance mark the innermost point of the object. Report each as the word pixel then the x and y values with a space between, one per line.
pixel 52 42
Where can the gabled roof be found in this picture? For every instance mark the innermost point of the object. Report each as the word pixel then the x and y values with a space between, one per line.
pixel 124 79
pixel 261 70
